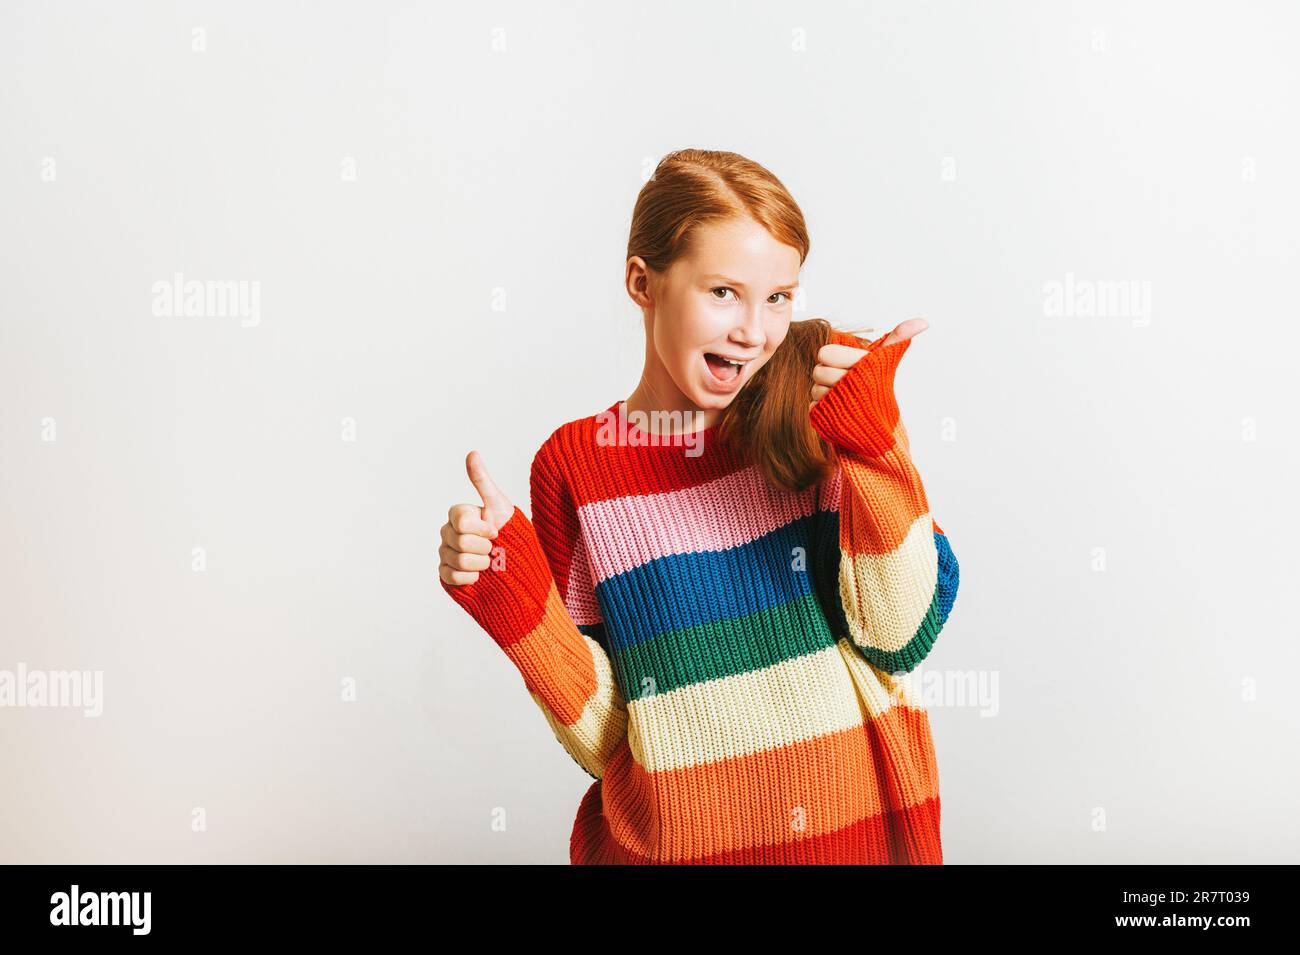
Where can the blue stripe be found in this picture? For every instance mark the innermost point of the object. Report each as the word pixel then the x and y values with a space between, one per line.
pixel 826 571
pixel 597 632
pixel 949 577
pixel 688 590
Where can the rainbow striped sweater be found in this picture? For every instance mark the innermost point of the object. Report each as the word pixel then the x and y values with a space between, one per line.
pixel 731 663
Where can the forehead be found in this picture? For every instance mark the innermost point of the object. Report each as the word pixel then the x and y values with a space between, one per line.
pixel 741 247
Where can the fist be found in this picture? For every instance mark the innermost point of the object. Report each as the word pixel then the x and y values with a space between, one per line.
pixel 470 529
pixel 834 361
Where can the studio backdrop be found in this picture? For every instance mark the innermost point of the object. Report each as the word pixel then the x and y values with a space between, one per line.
pixel 271 270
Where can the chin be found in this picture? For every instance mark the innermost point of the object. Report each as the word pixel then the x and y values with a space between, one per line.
pixel 710 402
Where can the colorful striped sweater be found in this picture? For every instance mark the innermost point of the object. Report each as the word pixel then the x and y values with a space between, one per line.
pixel 728 662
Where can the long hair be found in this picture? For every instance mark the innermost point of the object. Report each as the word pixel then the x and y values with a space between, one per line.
pixel 768 419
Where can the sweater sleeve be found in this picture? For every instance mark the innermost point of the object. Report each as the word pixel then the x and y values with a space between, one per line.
pixel 518 602
pixel 897 574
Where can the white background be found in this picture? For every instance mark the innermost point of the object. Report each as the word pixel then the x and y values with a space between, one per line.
pixel 951 158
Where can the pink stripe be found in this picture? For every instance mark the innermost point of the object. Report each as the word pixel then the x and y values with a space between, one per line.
pixel 828 493
pixel 625 532
pixel 580 601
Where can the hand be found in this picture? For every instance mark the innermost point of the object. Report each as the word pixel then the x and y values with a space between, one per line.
pixel 470 529
pixel 834 361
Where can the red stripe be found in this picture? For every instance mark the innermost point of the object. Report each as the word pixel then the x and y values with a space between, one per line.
pixel 908 836
pixel 508 603
pixel 598 470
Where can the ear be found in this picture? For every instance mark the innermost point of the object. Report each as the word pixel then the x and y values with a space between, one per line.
pixel 637 279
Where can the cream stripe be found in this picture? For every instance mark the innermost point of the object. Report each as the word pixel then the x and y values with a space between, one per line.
pixel 745 713
pixel 879 690
pixel 886 596
pixel 603 723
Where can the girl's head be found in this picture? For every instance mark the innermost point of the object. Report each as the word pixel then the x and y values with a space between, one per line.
pixel 713 260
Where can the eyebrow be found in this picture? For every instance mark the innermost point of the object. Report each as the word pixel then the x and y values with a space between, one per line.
pixel 731 281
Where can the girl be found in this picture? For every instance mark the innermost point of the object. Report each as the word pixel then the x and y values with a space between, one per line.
pixel 718 619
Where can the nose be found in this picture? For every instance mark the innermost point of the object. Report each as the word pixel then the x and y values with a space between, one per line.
pixel 749 334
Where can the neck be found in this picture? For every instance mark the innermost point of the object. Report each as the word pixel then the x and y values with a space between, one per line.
pixel 656 394
pixel 677 418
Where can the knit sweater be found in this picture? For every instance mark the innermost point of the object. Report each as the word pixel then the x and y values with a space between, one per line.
pixel 732 664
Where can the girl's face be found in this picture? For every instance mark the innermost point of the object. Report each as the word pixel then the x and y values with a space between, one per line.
pixel 717 315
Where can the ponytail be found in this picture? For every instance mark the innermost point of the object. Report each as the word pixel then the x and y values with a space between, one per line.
pixel 769 417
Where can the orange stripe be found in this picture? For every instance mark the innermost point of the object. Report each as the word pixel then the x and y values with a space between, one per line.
pixel 556 662
pixel 808 789
pixel 887 497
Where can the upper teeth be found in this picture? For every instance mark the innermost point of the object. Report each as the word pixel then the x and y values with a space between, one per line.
pixel 731 361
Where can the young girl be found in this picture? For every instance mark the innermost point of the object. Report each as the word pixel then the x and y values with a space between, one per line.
pixel 718 619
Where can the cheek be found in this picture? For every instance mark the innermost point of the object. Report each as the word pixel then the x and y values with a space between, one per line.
pixel 693 331
pixel 776 334
pixel 702 326
pixel 678 346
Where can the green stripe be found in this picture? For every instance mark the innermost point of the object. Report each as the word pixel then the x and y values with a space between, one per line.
pixel 723 648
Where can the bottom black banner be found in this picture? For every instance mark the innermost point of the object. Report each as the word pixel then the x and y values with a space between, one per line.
pixel 96 904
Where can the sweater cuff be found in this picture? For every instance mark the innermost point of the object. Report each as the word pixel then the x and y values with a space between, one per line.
pixel 509 598
pixel 859 413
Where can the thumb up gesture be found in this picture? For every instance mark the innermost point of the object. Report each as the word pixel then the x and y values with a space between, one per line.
pixel 470 529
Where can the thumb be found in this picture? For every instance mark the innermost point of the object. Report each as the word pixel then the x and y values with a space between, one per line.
pixel 908 329
pixel 496 506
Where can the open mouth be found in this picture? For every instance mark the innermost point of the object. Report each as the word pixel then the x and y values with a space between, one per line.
pixel 723 368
